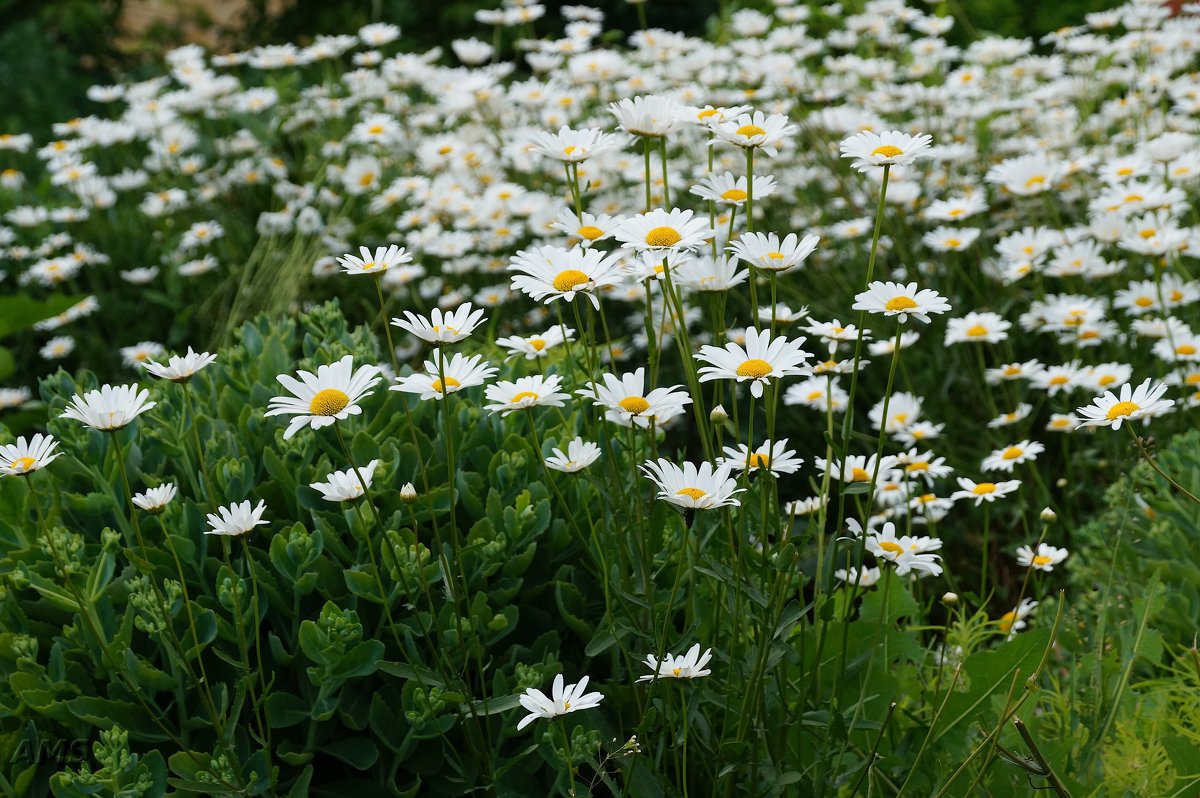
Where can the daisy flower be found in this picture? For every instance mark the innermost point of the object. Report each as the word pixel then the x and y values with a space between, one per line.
pixel 155 500
pixel 895 299
pixel 1045 559
pixel 983 491
pixel 766 251
pixel 575 146
pixel 762 359
pixel 651 116
pixel 579 455
pixel 587 228
pixel 26 456
pixel 771 455
pixel 855 468
pixel 549 273
pixel 706 274
pixel 109 408
pixel 318 400
pixel 757 131
pixel 1012 417
pixel 986 327
pixel 891 148
pixel 535 346
pixel 729 190
pixel 1010 456
pixel 1063 422
pixel 561 700
pixel 134 356
pixel 442 328
pixel 58 347
pixel 661 231
pixel 533 391
pixel 685 666
pixel 1144 401
pixel 868 577
pixel 236 519
pixel 907 553
pixel 691 488
pixel 1014 621
pixel 460 373
pixel 626 401
pixel 378 262
pixel 180 369
pixel 950 239
pixel 345 486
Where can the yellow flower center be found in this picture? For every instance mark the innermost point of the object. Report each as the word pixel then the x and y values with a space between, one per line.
pixel 912 468
pixel 566 705
pixel 567 280
pixel 706 113
pixel 749 131
pixel 677 671
pixel 859 475
pixel 369 265
pixel 1121 410
pixel 663 237
pixel 568 150
pixel 1036 180
pixel 524 395
pixel 1185 349
pixel 694 494
pixel 758 460
pixel 890 547
pixel 22 464
pixel 590 232
pixel 1041 559
pixel 775 255
pixel 367 179
pixel 886 151
pixel 328 402
pixel 1107 379
pixel 1143 302
pixel 450 383
pixel 955 212
pixel 538 344
pixel 978 331
pixel 375 130
pixel 1134 198
pixel 1007 620
pixel 1059 380
pixel 953 242
pixel 754 368
pixel 634 404
pixel 900 303
pixel 734 195
pixel 984 488
pixel 1149 232
pixel 1012 453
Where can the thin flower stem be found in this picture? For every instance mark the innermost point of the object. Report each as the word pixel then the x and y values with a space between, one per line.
pixel 191 408
pixel 387 328
pixel 570 756
pixel 1150 462
pixel 264 728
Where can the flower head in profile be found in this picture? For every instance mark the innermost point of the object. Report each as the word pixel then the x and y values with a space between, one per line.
pixel 532 391
pixel 442 327
pixel 180 369
pixel 535 346
pixel 1014 621
pixel 377 262
pixel 155 500
pixel 774 456
pixel 460 372
pixel 661 231
pixel 770 253
pixel 692 488
pixel 685 666
pixel 651 115
pixel 757 131
pixel 1008 457
pixel 237 519
pixel 762 359
pixel 1129 404
pixel 903 301
pixel 1044 559
pixel 980 492
pixel 890 148
pixel 575 146
pixel 345 486
pixel 110 407
pixel 579 455
pixel 318 400
pixel 908 553
pixel 562 699
pixel 26 456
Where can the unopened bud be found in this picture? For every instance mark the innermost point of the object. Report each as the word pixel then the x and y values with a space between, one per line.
pixel 1061 483
pixel 718 415
pixel 950 598
pixel 408 493
pixel 1048 515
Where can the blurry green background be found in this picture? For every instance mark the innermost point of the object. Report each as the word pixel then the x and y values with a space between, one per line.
pixel 52 50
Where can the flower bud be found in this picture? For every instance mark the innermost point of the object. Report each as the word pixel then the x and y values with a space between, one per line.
pixel 950 599
pixel 718 415
pixel 1048 515
pixel 408 493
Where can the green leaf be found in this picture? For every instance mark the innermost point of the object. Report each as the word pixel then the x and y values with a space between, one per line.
pixel 20 311
pixel 357 752
pixel 8 365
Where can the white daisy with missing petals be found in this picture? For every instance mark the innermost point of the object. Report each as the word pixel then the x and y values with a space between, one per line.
pixel 155 500
pixel 766 251
pixel 1111 410
pixel 685 666
pixel 983 491
pixel 763 359
pixel 1044 559
pixel 26 456
pixel 890 148
pixel 180 369
pixel 442 327
pixel 318 400
pixel 692 488
pixel 579 455
pixel 771 455
pixel 1010 456
pixel 110 408
pixel 562 699
pixel 460 372
pixel 236 519
pixel 535 346
pixel 903 301
pixel 345 486
pixel 532 391
pixel 377 262
pixel 661 231
pixel 549 273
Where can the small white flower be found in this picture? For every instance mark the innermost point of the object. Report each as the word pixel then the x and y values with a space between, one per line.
pixel 344 486
pixel 442 328
pixel 685 666
pixel 1045 559
pixel 1144 401
pixel 562 699
pixel 579 455
pixel 109 408
pixel 236 519
pixel 320 399
pixel 155 500
pixel 180 369
pixel 26 456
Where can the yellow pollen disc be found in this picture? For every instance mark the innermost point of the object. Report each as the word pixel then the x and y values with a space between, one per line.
pixel 1192 379
pixel 1124 170
pixel 692 493
pixel 328 402
pixel 954 212
pixel 1059 380
pixel 776 256
pixel 663 237
pixel 1143 302
pixel 590 232
pixel 928 497
pixel 22 464
pixel 1012 453
pixel 367 179
pixel 566 705
pixel 751 130
pixel 1134 198
pixel 1087 335
pixel 1007 620
pixel 446 150
pixel 734 195
pixel 984 488
pixel 569 279
pixel 706 113
pixel 912 468
pixel 901 417
pixel 450 383
pixel 758 460
pixel 900 303
pixel 524 395
pixel 634 404
pixel 369 265
pixel 953 242
pixel 1036 180
pixel 1176 296
pixel 754 368
pixel 1185 349
pixel 677 671
pixel 815 395
pixel 1149 232
pixel 1041 559
pixel 890 547
pixel 978 331
pixel 538 344
pixel 1012 371
pixel 569 150
pixel 1107 379
pixel 859 475
pixel 887 151
pixel 1121 410
pixel 375 130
